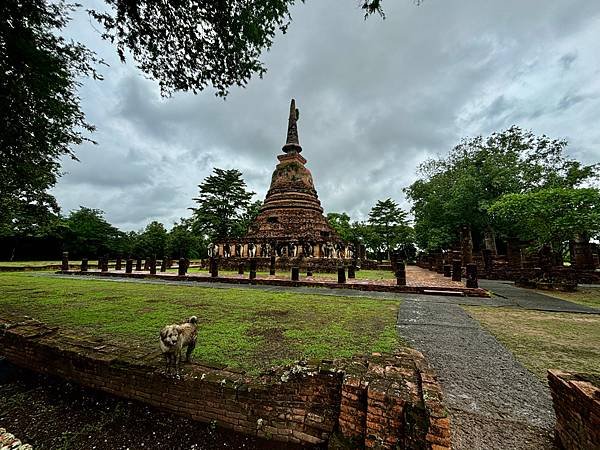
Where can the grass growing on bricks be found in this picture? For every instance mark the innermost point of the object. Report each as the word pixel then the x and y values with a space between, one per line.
pixel 243 329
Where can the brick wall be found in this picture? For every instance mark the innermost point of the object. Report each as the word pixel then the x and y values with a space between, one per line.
pixel 382 401
pixel 576 399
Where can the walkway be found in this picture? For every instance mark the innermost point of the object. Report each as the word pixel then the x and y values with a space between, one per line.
pixel 494 402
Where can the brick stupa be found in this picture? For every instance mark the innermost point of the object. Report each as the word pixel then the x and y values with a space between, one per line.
pixel 291 211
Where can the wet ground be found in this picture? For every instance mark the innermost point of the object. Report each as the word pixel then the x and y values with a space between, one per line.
pixel 52 414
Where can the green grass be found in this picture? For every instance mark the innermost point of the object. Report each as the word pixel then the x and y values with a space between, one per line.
pixel 360 274
pixel 583 296
pixel 543 340
pixel 244 329
pixel 33 263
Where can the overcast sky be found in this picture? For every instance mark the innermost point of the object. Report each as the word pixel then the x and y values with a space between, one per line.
pixel 376 97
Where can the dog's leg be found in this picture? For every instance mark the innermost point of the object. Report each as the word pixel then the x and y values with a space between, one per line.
pixel 190 348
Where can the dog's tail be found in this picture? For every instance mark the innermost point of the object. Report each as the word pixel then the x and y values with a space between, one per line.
pixel 193 320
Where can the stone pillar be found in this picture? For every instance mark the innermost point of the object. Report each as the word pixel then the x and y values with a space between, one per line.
pixel 439 262
pixel 119 263
pixel 253 268
pixel 448 270
pixel 400 273
pixel 295 273
pixel 472 276
pixel 352 270
pixel 152 266
pixel 182 267
pixel 163 264
pixel 272 266
pixel 309 270
pixel 456 270
pixel 341 274
pixel 84 264
pixel 214 267
pixel 64 264
pixel 466 243
pixel 138 264
pixel 581 256
pixel 241 268
pixel 489 238
pixel 129 265
pixel 487 260
pixel 147 263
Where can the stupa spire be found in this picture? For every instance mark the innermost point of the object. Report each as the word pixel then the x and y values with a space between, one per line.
pixel 292 145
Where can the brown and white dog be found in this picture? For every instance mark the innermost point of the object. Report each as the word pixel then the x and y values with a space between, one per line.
pixel 174 337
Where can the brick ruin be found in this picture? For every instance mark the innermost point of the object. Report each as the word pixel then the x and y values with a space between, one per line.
pixel 576 399
pixel 380 401
pixel 541 269
pixel 291 223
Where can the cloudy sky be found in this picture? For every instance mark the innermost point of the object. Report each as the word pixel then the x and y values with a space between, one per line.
pixel 377 97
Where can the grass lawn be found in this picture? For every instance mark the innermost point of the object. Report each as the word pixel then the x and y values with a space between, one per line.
pixel 33 263
pixel 243 329
pixel 583 296
pixel 360 274
pixel 544 340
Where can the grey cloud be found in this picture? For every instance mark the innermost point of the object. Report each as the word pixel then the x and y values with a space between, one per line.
pixel 377 97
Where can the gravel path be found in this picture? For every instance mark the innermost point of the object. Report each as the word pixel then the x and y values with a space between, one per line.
pixel 494 402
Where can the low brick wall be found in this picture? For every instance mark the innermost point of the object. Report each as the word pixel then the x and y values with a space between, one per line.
pixel 327 265
pixel 383 401
pixel 576 399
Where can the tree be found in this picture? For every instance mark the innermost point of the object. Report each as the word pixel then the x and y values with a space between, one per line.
pixel 223 203
pixel 89 234
pixel 187 45
pixel 183 243
pixel 458 189
pixel 152 240
pixel 247 217
pixel 550 216
pixel 388 221
pixel 340 222
pixel 40 116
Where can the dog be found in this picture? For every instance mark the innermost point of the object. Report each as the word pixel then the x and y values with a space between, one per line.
pixel 174 337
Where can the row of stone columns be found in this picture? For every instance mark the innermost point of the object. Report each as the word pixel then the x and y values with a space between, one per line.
pixel 454 271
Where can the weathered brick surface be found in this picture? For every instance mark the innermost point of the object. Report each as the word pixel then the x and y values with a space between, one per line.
pixel 576 399
pixel 383 401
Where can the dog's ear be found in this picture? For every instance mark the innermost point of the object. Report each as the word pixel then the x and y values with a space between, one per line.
pixel 193 320
pixel 163 333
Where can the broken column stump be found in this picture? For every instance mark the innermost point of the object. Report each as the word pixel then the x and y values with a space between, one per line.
pixel 119 263
pixel 241 268
pixel 214 267
pixel 84 264
pixel 138 264
pixel 64 265
pixel 253 269
pixel 182 267
pixel 341 274
pixel 163 264
pixel 295 273
pixel 152 266
pixel 272 266
pixel 352 270
pixel 456 270
pixel 448 270
pixel 129 265
pixel 472 276
pixel 400 273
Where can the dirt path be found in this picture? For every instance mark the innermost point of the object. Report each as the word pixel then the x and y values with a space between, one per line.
pixel 494 402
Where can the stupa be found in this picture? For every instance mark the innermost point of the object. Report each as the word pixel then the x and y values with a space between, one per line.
pixel 291 221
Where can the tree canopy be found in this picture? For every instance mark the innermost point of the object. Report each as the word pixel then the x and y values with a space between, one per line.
pixel 458 189
pixel 547 216
pixel 41 119
pixel 389 224
pixel 223 205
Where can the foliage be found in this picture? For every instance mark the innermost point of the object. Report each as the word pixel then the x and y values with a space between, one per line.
pixel 389 227
pixel 187 45
pixel 340 222
pixel 549 215
pixel 249 332
pixel 458 189
pixel 88 234
pixel 40 116
pixel 240 228
pixel 223 203
pixel 151 242
pixel 183 243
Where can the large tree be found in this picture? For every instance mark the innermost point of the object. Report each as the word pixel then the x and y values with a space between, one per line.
pixel 88 234
pixel 40 118
pixel 550 216
pixel 223 205
pixel 389 224
pixel 457 190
